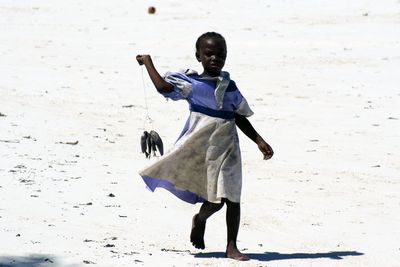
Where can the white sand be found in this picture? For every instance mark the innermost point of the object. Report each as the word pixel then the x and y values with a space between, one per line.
pixel 323 80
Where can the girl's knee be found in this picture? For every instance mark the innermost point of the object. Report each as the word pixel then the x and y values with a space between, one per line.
pixel 231 204
pixel 227 201
pixel 218 206
pixel 214 206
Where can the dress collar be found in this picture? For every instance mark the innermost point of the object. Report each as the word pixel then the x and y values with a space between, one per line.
pixel 222 82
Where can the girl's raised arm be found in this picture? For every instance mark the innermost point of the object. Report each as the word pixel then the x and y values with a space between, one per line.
pixel 161 85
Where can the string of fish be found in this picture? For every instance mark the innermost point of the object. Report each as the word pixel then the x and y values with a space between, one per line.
pixel 150 141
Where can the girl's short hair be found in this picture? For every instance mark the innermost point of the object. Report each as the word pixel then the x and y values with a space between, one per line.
pixel 208 35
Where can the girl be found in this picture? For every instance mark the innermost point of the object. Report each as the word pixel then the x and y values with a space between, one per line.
pixel 205 163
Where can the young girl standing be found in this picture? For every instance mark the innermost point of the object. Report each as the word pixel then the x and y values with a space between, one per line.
pixel 205 163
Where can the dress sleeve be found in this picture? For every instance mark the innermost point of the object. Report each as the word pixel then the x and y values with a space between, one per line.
pixel 243 108
pixel 182 85
pixel 240 104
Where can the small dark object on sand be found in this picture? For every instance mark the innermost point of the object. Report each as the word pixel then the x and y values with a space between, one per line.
pixel 69 143
pixel 151 142
pixel 151 10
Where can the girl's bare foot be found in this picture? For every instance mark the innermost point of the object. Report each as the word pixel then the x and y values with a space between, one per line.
pixel 233 253
pixel 197 234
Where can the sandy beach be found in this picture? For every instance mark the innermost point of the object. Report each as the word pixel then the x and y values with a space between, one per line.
pixel 321 76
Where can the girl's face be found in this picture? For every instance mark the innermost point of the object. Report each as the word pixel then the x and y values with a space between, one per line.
pixel 212 55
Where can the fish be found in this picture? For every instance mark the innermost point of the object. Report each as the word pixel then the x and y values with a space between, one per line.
pixel 143 143
pixel 150 143
pixel 156 143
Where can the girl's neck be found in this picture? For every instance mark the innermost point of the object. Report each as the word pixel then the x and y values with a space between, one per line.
pixel 207 75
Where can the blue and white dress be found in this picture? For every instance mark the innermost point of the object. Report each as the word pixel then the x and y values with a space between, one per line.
pixel 205 162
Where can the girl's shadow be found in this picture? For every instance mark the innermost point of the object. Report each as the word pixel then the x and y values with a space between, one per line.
pixel 273 256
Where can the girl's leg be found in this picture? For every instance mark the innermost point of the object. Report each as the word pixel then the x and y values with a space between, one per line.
pixel 199 222
pixel 232 224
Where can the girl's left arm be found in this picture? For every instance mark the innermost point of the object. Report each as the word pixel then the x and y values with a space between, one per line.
pixel 245 126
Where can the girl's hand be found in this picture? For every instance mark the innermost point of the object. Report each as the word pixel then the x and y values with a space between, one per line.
pixel 265 148
pixel 141 59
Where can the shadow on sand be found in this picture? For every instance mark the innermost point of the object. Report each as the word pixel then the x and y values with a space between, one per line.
pixel 273 256
pixel 34 260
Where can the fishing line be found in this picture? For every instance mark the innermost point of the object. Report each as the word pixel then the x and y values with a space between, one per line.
pixel 147 118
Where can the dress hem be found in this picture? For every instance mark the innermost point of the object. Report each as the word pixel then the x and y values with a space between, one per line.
pixel 185 195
